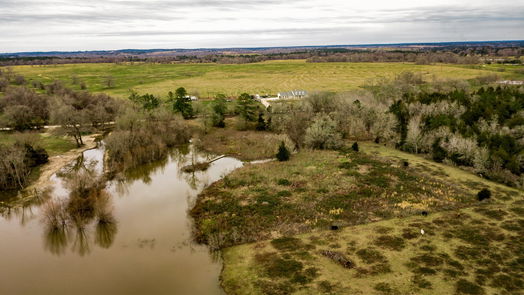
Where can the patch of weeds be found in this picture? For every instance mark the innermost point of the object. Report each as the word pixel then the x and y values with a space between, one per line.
pixel 274 288
pixel 287 244
pixel 276 266
pixel 383 229
pixel 424 271
pixel 347 165
pixel 316 240
pixel 325 286
pixel 283 181
pixel 455 264
pixel 478 235
pixel 481 279
pixel 468 253
pixel 284 193
pixel 283 268
pixel 390 242
pixel 311 272
pixel 421 282
pixel 351 246
pixel 518 210
pixel 371 255
pixel 385 288
pixel 322 190
pixel 427 260
pixel 231 182
pixel 301 279
pixel 410 233
pixel 513 225
pixel 452 273
pixel 379 268
pixel 506 282
pixel 466 287
pixel 428 248
pixel 496 214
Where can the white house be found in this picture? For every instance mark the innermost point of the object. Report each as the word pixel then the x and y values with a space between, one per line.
pixel 292 94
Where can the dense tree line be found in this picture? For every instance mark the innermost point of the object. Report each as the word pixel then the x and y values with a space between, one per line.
pixel 460 53
pixel 480 128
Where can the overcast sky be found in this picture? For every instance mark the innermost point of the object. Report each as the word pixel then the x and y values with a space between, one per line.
pixel 38 25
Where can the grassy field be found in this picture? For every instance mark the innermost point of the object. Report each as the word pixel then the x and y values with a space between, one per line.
pixel 246 145
pixel 317 189
pixel 54 145
pixel 478 249
pixel 264 78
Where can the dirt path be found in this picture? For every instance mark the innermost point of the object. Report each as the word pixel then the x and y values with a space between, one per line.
pixel 56 163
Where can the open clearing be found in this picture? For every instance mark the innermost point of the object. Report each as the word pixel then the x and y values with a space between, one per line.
pixel 477 249
pixel 206 80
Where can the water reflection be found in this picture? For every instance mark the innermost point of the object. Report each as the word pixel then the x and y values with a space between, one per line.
pixel 134 227
pixel 88 206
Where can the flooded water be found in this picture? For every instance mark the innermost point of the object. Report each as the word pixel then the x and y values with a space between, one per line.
pixel 136 241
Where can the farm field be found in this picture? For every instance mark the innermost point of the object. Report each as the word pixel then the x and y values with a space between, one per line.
pixel 206 80
pixel 472 250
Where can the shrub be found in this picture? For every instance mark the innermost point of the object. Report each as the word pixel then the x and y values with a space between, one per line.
pixel 354 147
pixel 438 153
pixel 283 181
pixel 323 134
pixel 484 194
pixel 283 153
pixel 466 287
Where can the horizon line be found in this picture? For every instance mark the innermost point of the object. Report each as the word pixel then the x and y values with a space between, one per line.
pixel 262 47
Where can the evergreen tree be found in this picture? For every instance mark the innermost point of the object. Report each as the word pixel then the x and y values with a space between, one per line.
pixel 283 153
pixel 219 111
pixel 182 103
pixel 261 125
pixel 246 108
pixel 355 147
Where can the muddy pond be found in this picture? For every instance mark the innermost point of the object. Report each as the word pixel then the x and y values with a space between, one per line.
pixel 136 239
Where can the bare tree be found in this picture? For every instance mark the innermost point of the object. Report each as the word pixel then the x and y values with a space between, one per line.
pixel 73 122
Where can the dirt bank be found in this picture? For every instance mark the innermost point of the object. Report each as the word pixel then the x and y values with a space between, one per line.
pixel 56 163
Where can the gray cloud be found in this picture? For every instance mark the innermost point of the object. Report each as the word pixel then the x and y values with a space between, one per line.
pixel 52 25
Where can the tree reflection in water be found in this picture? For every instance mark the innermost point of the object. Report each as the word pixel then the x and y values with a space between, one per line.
pixel 88 205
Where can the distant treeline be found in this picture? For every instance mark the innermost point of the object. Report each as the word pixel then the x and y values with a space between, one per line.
pixel 421 55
